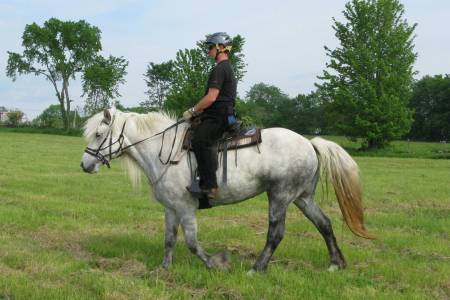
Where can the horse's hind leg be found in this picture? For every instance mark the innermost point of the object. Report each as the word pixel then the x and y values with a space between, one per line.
pixel 310 209
pixel 277 216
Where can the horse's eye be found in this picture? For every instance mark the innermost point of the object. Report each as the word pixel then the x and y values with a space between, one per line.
pixel 97 135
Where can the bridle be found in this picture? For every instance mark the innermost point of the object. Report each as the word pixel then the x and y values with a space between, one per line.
pixel 104 159
pixel 100 156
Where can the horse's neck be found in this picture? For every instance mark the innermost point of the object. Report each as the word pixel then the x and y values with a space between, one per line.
pixel 146 154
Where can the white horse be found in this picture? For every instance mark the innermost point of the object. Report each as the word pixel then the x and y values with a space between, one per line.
pixel 287 168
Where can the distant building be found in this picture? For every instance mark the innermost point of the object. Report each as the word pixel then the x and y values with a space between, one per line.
pixel 3 114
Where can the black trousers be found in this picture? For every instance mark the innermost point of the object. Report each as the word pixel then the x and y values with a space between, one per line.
pixel 204 144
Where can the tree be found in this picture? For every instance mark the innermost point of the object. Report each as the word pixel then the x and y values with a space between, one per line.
pixel 309 115
pixel 50 117
pixel 101 81
pixel 158 79
pixel 370 75
pixel 14 117
pixel 269 105
pixel 58 50
pixel 189 73
pixel 431 103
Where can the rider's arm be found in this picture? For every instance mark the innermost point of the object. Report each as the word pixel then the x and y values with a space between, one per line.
pixel 207 100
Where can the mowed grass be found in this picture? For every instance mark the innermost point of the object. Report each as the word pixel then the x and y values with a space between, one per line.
pixel 68 235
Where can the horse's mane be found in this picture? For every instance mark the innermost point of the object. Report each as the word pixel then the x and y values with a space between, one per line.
pixel 144 124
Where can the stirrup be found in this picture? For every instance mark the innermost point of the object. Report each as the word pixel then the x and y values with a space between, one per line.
pixel 203 200
pixel 196 192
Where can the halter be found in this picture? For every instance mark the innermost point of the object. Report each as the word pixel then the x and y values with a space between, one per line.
pixel 121 149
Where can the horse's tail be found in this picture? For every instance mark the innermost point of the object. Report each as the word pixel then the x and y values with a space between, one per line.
pixel 344 174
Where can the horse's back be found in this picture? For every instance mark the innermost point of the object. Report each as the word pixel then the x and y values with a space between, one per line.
pixel 286 153
pixel 287 142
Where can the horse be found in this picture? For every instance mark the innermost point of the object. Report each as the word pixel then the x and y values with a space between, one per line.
pixel 286 166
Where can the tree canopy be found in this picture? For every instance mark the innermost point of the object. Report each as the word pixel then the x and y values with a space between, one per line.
pixel 14 117
pixel 158 79
pixel 101 81
pixel 431 103
pixel 268 106
pixel 369 76
pixel 59 50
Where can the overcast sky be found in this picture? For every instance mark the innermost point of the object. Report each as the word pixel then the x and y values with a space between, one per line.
pixel 284 39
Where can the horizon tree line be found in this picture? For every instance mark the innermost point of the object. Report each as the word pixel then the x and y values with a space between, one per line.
pixel 367 89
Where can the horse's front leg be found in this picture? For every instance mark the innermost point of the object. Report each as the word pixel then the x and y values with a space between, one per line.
pixel 189 226
pixel 172 223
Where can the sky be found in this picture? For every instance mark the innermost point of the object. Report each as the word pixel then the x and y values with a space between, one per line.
pixel 284 40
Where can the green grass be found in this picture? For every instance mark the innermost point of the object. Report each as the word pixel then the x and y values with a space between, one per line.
pixel 57 131
pixel 397 149
pixel 68 235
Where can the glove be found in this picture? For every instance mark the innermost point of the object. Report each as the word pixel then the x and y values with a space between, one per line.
pixel 189 114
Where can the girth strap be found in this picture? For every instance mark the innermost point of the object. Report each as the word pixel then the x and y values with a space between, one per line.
pixel 224 164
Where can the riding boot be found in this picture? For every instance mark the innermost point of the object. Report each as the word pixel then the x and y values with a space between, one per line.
pixel 211 194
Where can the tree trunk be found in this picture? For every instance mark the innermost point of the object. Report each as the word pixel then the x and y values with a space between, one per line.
pixel 376 143
pixel 372 144
pixel 66 92
pixel 63 109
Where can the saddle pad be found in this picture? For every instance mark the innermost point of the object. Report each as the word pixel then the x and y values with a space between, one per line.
pixel 250 138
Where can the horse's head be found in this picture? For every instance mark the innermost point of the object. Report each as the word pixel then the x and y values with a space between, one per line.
pixel 105 140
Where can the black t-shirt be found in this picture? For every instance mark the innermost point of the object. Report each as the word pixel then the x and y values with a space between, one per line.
pixel 222 78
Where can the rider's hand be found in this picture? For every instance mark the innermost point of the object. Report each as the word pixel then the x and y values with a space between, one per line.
pixel 189 114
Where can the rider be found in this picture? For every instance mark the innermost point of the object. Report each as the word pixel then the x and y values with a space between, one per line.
pixel 216 111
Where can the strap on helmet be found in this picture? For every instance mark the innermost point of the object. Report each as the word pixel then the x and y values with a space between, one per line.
pixel 226 48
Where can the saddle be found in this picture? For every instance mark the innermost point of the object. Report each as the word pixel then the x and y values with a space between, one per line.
pixel 234 138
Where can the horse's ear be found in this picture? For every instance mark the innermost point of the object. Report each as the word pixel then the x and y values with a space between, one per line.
pixel 107 116
pixel 113 110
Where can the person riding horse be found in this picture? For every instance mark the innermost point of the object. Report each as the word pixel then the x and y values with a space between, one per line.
pixel 215 110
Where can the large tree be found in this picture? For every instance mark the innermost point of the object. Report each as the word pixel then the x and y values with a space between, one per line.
pixel 184 79
pixel 431 104
pixel 369 77
pixel 57 50
pixel 158 79
pixel 101 81
pixel 307 115
pixel 269 105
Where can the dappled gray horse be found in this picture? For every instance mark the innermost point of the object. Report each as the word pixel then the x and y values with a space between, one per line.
pixel 287 168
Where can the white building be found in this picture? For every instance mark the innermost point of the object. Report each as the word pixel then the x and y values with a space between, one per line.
pixel 3 114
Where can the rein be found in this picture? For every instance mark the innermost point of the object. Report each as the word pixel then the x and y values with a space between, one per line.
pixel 120 139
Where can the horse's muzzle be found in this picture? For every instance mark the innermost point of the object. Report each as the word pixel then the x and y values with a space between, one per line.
pixel 87 170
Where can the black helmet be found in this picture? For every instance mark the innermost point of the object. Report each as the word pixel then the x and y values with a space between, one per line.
pixel 219 38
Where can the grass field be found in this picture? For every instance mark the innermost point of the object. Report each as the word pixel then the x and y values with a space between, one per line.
pixel 68 235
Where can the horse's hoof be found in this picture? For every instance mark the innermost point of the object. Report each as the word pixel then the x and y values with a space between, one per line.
pixel 164 266
pixel 251 272
pixel 333 268
pixel 221 261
